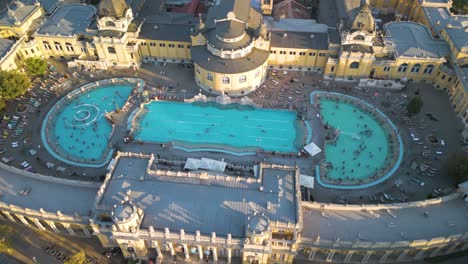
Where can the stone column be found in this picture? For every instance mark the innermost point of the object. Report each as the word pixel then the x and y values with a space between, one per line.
pixel 385 256
pixel 38 224
pixel 186 251
pixel 9 216
pixel 200 252
pixel 366 257
pixel 349 256
pixel 171 247
pixel 215 254
pixel 158 249
pixel 330 256
pixel 229 255
pixel 23 220
pixel 312 254
pixel 86 231
pixel 52 225
pixel 69 229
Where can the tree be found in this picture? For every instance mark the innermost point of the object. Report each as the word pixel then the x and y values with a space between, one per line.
pixel 78 258
pixel 415 105
pixel 457 166
pixel 13 84
pixel 5 243
pixel 35 67
pixel 459 7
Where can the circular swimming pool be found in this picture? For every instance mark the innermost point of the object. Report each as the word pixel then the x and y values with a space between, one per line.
pixel 76 130
pixel 362 146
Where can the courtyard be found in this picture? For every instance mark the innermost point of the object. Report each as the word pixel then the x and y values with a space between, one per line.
pixel 419 176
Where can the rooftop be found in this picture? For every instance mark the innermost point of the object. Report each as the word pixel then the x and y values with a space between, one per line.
pixel 168 32
pixel 196 203
pixel 403 224
pixel 459 37
pixel 68 20
pixel 16 13
pixel 411 39
pixel 45 192
pixel 5 46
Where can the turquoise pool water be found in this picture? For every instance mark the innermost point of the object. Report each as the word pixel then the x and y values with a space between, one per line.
pixel 209 124
pixel 77 129
pixel 361 149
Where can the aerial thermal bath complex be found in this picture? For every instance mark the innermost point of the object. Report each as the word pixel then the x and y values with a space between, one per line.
pixel 212 209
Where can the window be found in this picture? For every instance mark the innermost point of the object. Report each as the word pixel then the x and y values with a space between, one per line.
pixel 162 45
pixel 26 52
pixel 332 68
pixel 32 51
pixel 292 53
pixel 386 68
pixel 273 51
pixel 111 50
pixel 443 77
pixel 110 24
pixel 83 49
pixel 69 47
pixel 403 67
pixel 312 53
pixel 359 37
pixel 354 65
pixel 152 44
pixel 46 45
pixel 302 53
pixel 57 46
pixel 171 45
pixel 143 43
pixel 242 79
pixel 237 55
pixel 449 79
pixel 209 77
pixel 322 55
pixel 180 46
pixel 227 56
pixel 416 68
pixel 282 52
pixel 225 80
pixel 429 69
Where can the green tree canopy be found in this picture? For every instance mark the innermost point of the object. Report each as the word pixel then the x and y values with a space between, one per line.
pixel 78 258
pixel 415 105
pixel 457 166
pixel 35 67
pixel 460 7
pixel 13 84
pixel 5 243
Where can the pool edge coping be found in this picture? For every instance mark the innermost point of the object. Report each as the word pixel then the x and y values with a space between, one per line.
pixel 373 183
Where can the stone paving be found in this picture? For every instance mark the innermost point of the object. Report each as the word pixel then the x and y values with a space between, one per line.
pixel 290 90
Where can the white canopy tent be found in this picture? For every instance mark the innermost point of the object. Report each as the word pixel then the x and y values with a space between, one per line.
pixel 307 181
pixel 205 164
pixel 312 149
pixel 192 164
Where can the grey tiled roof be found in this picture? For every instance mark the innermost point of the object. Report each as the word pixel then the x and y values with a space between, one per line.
pixel 414 40
pixel 68 20
pixel 168 32
pixel 20 13
pixel 299 40
pixel 47 5
pixel 459 37
pixel 213 63
pixel 193 204
pixel 5 46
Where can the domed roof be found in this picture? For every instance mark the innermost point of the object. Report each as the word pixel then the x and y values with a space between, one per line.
pixel 123 212
pixel 258 224
pixel 230 29
pixel 112 8
pixel 361 18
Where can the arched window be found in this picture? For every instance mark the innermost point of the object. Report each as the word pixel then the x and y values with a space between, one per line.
pixel 403 67
pixel 429 68
pixel 416 68
pixel 354 65
pixel 46 45
pixel 69 47
pixel 111 50
pixel 110 24
pixel 57 45
pixel 209 76
pixel 225 80
pixel 359 37
pixel 242 79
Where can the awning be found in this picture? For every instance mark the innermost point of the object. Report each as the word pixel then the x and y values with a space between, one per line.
pixel 307 181
pixel 205 164
pixel 192 164
pixel 312 149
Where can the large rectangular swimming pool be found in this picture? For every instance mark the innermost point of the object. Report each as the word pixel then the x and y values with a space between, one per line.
pixel 233 126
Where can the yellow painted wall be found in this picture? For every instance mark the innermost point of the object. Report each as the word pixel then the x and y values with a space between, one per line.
pixel 168 50
pixel 57 51
pixel 306 58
